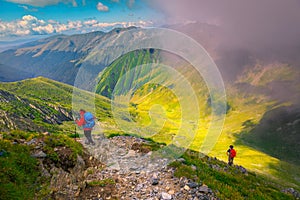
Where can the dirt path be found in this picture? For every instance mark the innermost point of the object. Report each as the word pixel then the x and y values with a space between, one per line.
pixel 138 174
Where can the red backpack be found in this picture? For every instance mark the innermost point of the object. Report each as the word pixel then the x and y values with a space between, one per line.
pixel 232 153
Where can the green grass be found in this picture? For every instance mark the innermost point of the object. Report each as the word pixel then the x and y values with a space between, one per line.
pixel 227 182
pixel 59 140
pixel 36 99
pixel 41 89
pixel 112 74
pixel 19 177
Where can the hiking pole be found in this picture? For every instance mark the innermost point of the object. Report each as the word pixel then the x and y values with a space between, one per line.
pixel 75 134
pixel 74 119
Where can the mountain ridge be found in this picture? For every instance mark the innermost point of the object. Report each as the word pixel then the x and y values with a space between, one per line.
pixel 57 57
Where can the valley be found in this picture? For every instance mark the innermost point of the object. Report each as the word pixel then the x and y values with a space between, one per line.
pixel 153 94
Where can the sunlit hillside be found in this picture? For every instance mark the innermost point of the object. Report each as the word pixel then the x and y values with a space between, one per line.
pixel 157 111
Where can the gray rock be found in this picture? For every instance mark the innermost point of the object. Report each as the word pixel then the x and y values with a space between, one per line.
pixel 134 167
pixel 33 141
pixel 114 166
pixel 139 187
pixel 39 154
pixel 293 192
pixel 154 181
pixel 166 196
pixel 192 184
pixel 204 189
pixel 131 153
pixel 242 169
pixel 186 187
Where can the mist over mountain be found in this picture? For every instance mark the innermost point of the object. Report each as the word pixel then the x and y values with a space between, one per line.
pixel 258 25
pixel 231 55
pixel 240 34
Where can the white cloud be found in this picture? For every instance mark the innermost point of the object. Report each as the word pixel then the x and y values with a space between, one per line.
pixel 38 3
pixel 75 25
pixel 75 3
pixel 28 9
pixel 42 3
pixel 30 25
pixel 48 29
pixel 22 32
pixel 29 18
pixel 102 7
pixel 90 22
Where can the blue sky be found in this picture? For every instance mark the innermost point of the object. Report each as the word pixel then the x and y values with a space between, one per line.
pixel 27 18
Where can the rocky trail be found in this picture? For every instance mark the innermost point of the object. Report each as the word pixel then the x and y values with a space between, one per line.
pixel 137 174
pixel 121 167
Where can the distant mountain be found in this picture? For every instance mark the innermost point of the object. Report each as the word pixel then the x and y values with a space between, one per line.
pixel 58 57
pixel 9 74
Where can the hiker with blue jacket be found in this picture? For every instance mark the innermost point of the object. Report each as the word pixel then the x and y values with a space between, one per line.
pixel 87 121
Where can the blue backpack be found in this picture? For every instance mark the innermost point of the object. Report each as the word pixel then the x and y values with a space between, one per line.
pixel 89 120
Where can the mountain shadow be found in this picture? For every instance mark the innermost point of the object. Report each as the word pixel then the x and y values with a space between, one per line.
pixel 277 134
pixel 11 74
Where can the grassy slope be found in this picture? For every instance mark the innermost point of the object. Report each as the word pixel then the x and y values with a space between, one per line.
pixel 15 165
pixel 249 156
pixel 227 182
pixel 245 106
pixel 117 69
pixel 35 89
pixel 44 91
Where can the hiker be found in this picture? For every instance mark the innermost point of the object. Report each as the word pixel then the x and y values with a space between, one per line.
pixel 231 153
pixel 87 121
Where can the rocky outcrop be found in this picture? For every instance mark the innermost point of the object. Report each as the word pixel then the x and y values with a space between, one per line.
pixel 23 114
pixel 66 176
pixel 293 192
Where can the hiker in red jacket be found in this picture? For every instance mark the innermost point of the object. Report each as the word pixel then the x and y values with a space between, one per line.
pixel 87 122
pixel 231 153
